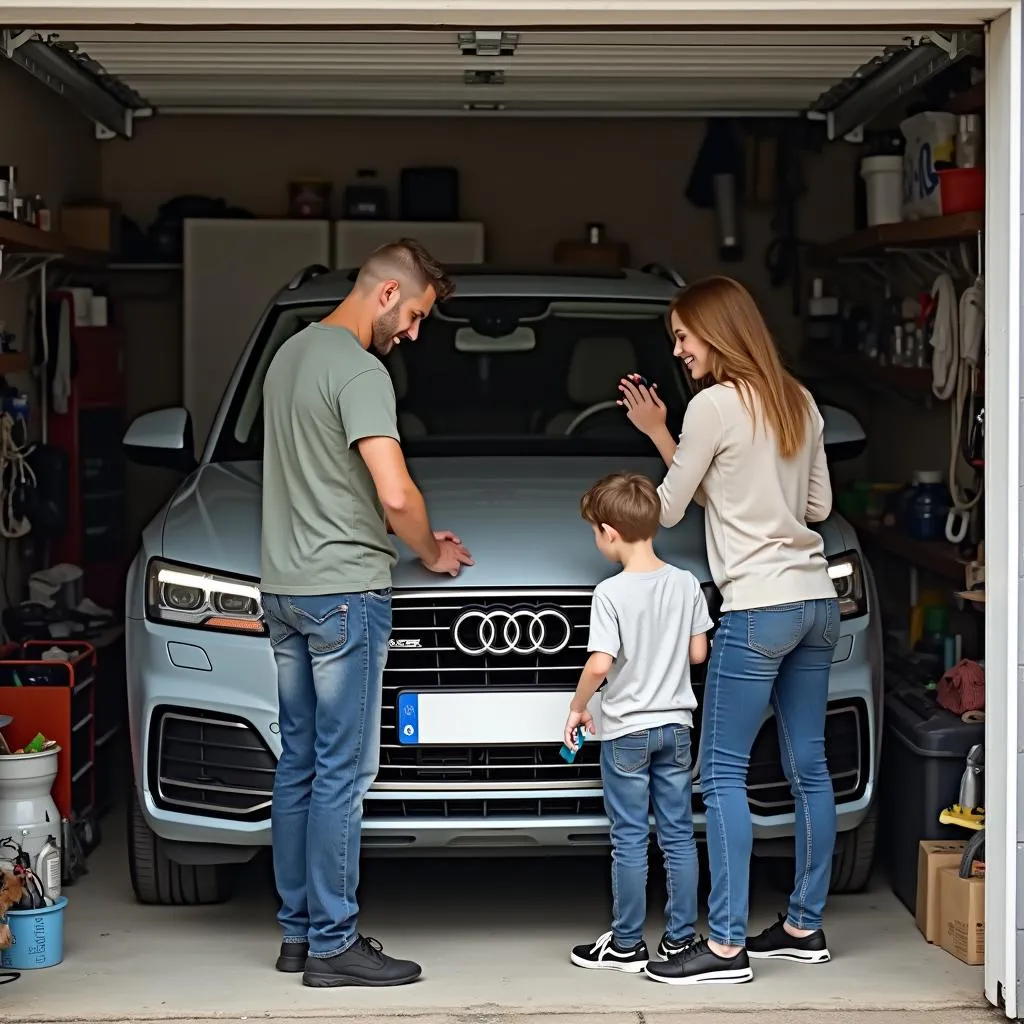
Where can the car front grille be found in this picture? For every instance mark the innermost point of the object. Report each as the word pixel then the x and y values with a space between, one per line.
pixel 427 620
pixel 209 764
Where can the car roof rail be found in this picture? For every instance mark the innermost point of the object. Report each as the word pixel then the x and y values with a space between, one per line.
pixel 307 274
pixel 660 270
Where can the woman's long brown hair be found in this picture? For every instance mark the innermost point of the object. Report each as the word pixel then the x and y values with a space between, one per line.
pixel 721 312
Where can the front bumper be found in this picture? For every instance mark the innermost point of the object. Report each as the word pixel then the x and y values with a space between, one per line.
pixel 193 693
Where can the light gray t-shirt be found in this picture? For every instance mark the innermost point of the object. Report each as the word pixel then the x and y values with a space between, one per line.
pixel 645 620
pixel 324 528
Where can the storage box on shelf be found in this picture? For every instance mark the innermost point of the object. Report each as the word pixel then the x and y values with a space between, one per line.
pixel 55 698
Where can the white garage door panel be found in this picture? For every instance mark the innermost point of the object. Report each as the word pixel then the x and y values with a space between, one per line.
pixel 497 12
pixel 399 70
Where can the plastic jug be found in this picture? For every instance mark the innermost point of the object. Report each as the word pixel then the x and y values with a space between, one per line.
pixel 928 506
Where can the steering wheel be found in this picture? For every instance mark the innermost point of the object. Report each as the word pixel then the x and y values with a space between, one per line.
pixel 592 410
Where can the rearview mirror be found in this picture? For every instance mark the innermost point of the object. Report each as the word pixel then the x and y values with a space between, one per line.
pixel 844 436
pixel 521 339
pixel 162 438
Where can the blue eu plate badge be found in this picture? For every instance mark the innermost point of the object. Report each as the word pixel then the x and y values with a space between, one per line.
pixel 408 718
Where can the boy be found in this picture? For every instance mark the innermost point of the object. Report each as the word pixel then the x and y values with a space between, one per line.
pixel 648 623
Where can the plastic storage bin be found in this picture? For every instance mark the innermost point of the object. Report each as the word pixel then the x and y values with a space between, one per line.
pixel 38 938
pixel 924 753
pixel 883 182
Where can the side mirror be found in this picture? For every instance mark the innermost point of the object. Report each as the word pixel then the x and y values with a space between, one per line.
pixel 844 436
pixel 162 438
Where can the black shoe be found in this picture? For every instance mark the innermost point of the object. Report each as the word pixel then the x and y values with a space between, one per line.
pixel 698 965
pixel 775 943
pixel 292 958
pixel 363 963
pixel 604 955
pixel 670 947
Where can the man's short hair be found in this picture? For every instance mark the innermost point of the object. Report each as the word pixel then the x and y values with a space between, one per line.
pixel 627 502
pixel 405 261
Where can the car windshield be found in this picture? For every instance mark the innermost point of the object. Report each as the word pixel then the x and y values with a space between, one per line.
pixel 498 376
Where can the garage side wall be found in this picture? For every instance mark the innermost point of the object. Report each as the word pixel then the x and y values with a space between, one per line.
pixel 56 154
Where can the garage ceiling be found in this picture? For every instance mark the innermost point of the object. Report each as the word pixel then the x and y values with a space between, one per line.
pixel 534 71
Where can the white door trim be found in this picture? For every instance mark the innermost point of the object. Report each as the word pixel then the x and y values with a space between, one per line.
pixel 1004 633
pixel 506 13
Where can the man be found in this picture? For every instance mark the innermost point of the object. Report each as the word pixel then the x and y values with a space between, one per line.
pixel 334 483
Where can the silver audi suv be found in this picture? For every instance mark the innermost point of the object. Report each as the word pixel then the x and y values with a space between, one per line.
pixel 507 413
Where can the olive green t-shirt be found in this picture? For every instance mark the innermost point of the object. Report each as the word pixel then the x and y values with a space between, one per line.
pixel 324 528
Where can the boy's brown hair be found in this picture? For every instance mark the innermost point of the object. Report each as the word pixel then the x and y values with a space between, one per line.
pixel 627 502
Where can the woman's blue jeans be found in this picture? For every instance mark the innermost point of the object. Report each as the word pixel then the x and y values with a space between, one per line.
pixel 776 657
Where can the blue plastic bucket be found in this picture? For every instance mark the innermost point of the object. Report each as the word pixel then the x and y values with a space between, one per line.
pixel 38 938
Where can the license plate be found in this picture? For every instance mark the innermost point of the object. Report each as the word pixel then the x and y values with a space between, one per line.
pixel 486 717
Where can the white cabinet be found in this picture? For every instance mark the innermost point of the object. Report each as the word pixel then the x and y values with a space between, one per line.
pixel 232 271
pixel 460 241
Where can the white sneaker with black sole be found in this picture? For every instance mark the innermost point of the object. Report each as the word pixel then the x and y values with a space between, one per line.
pixel 697 964
pixel 775 943
pixel 604 955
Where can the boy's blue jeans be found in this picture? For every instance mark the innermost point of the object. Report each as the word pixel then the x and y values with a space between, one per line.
pixel 650 767
pixel 330 652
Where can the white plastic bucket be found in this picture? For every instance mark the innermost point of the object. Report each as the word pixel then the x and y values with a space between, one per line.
pixel 883 179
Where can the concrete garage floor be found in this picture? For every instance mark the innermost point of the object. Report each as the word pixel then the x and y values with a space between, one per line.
pixel 494 938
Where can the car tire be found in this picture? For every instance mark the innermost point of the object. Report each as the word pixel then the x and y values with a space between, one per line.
pixel 852 863
pixel 854 858
pixel 158 880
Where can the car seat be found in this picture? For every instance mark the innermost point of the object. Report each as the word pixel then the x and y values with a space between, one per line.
pixel 595 369
pixel 409 424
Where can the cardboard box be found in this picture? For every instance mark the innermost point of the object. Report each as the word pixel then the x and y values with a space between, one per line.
pixel 962 912
pixel 932 856
pixel 93 226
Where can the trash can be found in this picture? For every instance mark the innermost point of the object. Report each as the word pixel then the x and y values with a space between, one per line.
pixel 924 753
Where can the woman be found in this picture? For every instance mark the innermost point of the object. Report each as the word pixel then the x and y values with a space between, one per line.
pixel 751 452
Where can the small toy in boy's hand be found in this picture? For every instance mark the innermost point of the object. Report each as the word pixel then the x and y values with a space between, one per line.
pixel 567 753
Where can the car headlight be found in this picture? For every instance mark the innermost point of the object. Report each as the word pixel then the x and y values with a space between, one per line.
pixel 848 576
pixel 183 596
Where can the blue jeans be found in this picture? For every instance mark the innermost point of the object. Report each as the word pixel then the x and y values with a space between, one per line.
pixel 650 767
pixel 778 656
pixel 330 652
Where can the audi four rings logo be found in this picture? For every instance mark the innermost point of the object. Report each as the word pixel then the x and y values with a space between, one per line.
pixel 511 631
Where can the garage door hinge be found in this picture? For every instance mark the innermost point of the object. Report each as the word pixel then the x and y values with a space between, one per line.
pixel 13 40
pixel 951 45
pixel 104 134
pixel 488 43
pixel 854 135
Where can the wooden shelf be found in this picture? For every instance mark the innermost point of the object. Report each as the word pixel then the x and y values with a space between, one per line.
pixel 17 237
pixel 129 268
pixel 938 557
pixel 904 380
pixel 906 234
pixel 14 362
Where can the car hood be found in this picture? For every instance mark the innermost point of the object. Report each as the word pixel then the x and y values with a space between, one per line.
pixel 519 517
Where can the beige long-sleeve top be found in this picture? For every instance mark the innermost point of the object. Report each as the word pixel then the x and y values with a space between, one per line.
pixel 757 504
